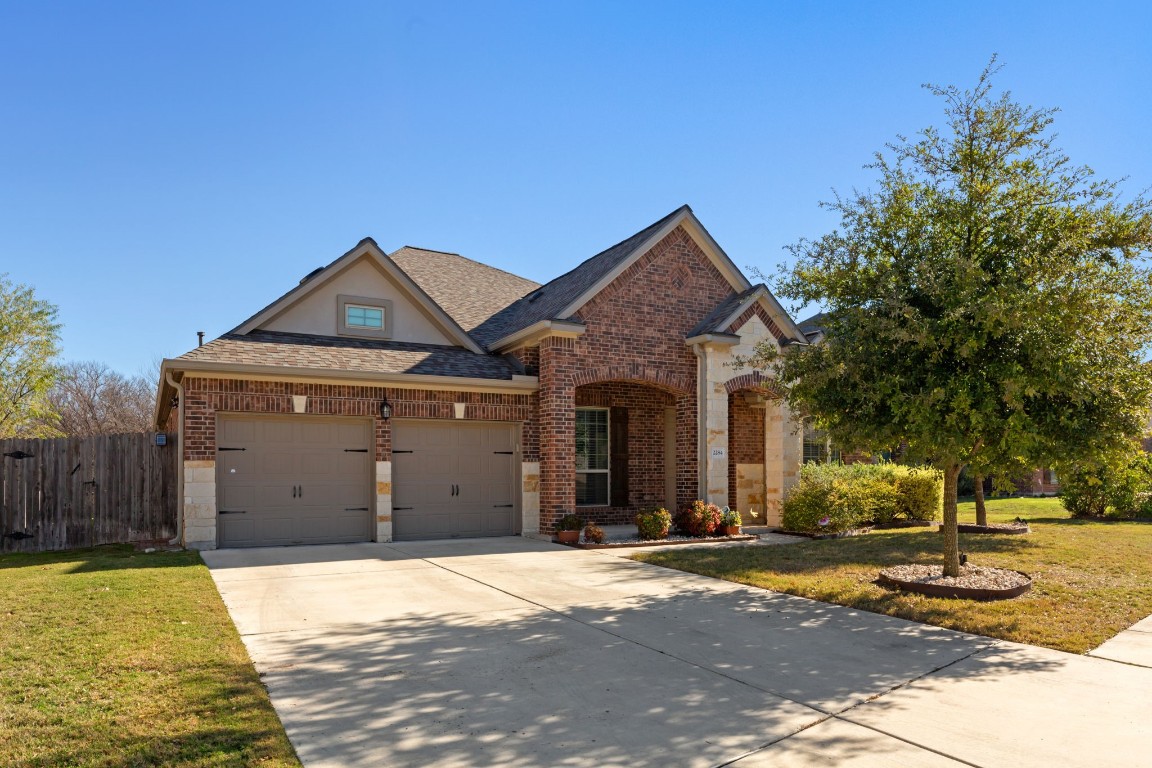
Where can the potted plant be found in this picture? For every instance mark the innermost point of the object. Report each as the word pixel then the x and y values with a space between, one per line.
pixel 568 529
pixel 729 522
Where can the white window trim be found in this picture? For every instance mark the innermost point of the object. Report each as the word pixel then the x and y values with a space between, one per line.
pixel 606 472
pixel 344 301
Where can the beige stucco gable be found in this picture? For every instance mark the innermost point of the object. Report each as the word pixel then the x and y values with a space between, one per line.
pixel 318 312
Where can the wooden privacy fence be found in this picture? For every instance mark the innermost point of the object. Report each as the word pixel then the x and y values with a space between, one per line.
pixel 80 492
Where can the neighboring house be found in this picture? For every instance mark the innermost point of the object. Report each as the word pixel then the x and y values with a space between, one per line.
pixel 420 394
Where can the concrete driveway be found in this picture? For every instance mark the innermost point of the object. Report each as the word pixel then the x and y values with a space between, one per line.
pixel 515 652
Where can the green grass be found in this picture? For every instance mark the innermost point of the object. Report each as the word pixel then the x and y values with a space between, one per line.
pixel 1092 578
pixel 110 657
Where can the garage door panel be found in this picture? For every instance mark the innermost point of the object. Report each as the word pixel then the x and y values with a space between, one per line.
pixel 446 456
pixel 294 487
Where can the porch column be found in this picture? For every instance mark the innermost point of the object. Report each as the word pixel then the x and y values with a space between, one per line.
pixel 557 430
pixel 714 405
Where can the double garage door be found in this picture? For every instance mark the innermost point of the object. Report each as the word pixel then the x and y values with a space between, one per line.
pixel 285 480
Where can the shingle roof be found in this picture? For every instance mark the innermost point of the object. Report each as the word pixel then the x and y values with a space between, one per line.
pixel 546 302
pixel 814 323
pixel 470 292
pixel 712 323
pixel 339 354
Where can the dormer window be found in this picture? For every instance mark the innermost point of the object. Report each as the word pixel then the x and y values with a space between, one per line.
pixel 362 316
pixel 356 316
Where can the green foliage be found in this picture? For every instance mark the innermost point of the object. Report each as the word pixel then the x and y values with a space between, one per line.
pixel 29 338
pixel 920 493
pixel 832 498
pixel 570 522
pixel 1121 487
pixel 730 517
pixel 698 519
pixel 652 524
pixel 986 301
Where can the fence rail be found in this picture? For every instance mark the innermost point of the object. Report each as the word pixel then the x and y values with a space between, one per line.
pixel 80 492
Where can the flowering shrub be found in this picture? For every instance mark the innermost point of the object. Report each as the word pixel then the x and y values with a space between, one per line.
pixel 698 519
pixel 652 524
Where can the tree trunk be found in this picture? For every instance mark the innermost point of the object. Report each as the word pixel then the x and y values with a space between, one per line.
pixel 981 510
pixel 948 528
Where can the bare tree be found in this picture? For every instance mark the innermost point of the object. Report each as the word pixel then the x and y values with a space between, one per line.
pixel 91 399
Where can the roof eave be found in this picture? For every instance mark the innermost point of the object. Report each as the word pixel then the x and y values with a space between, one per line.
pixel 516 383
pixel 536 331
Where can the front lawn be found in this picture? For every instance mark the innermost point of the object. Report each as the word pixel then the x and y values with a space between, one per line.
pixel 1092 579
pixel 110 657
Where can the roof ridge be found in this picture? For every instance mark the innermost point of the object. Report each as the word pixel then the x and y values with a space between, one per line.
pixel 654 225
pixel 465 258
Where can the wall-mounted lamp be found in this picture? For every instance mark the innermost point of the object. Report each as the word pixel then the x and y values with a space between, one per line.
pixel 385 409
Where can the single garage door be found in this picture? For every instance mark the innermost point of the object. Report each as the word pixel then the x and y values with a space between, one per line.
pixel 293 480
pixel 453 479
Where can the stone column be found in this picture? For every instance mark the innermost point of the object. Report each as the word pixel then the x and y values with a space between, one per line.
pixel 557 430
pixel 715 417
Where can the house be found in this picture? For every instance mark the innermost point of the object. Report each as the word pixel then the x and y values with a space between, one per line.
pixel 420 394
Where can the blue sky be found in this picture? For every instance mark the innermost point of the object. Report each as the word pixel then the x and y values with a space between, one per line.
pixel 171 168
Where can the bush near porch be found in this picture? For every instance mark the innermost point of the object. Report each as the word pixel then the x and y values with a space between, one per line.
pixel 832 498
pixel 1093 577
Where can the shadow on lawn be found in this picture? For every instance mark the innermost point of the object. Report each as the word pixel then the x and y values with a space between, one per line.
pixel 111 557
pixel 241 729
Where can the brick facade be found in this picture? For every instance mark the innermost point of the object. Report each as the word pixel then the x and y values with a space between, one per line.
pixel 645 447
pixel 745 439
pixel 204 398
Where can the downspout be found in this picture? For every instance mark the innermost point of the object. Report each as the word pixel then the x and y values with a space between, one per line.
pixel 180 456
pixel 701 425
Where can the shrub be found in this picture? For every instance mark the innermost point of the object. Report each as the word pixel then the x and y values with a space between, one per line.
pixel 652 524
pixel 832 498
pixel 920 493
pixel 1120 488
pixel 570 522
pixel 812 505
pixel 593 533
pixel 698 519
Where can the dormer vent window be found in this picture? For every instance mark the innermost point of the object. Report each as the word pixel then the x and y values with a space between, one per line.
pixel 362 316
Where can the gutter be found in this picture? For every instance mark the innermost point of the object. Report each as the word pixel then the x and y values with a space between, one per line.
pixel 179 387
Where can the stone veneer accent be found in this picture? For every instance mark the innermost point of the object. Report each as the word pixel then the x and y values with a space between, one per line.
pixel 383 501
pixel 530 498
pixel 199 504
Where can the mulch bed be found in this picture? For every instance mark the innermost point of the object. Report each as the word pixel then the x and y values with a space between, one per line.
pixel 974 583
pixel 840 535
pixel 663 542
pixel 994 528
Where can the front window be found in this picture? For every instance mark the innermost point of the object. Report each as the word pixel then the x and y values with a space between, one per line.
pixel 818 449
pixel 591 457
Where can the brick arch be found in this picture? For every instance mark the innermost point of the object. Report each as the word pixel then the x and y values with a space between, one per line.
pixel 656 377
pixel 754 380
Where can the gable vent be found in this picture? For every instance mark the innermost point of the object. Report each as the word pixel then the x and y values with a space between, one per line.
pixel 311 275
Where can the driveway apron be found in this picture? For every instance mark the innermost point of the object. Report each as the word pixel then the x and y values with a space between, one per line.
pixel 516 652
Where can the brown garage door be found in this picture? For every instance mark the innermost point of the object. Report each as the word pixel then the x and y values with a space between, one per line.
pixel 293 480
pixel 453 479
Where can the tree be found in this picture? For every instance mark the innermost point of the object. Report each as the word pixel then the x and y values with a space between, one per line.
pixel 988 299
pixel 91 399
pixel 29 337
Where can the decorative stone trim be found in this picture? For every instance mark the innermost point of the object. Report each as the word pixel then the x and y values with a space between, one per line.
pixel 383 501
pixel 199 508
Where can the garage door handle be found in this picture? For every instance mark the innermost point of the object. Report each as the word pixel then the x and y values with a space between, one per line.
pixel 395 509
pixel 403 451
pixel 502 506
pixel 504 453
pixel 355 509
pixel 233 512
pixel 355 450
pixel 231 449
